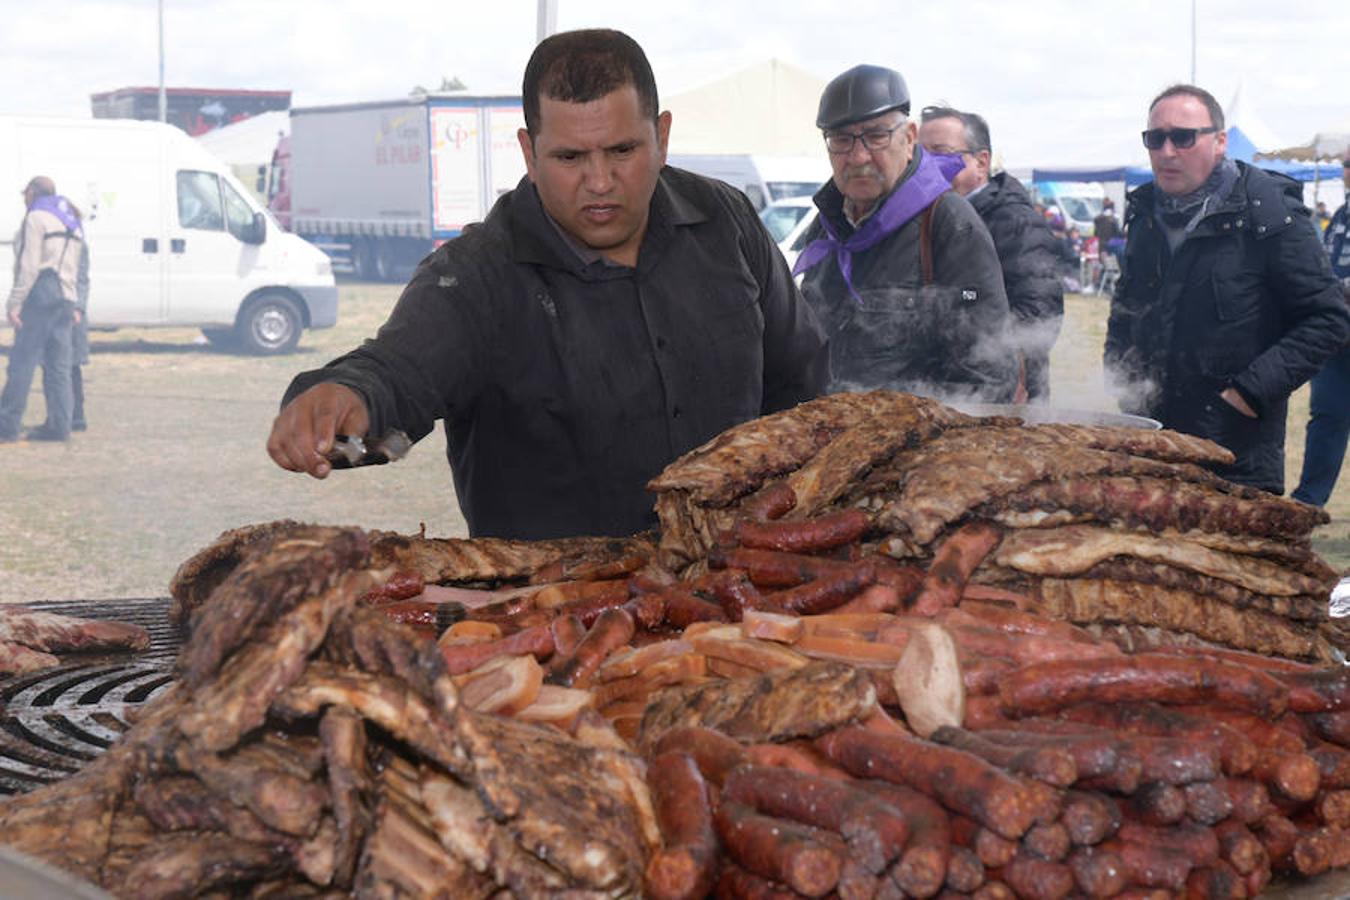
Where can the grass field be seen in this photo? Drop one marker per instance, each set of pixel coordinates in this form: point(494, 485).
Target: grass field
point(174, 455)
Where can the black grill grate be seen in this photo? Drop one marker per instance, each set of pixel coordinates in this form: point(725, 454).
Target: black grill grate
point(57, 720)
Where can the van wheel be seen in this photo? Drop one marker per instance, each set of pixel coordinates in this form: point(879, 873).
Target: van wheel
point(221, 338)
point(270, 325)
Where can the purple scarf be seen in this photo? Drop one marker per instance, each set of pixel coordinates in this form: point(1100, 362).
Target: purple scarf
point(931, 179)
point(60, 207)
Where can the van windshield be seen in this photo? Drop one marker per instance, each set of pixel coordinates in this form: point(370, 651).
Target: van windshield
point(778, 190)
point(781, 219)
point(1080, 209)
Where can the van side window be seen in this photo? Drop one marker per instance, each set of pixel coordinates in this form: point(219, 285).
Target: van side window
point(238, 214)
point(199, 200)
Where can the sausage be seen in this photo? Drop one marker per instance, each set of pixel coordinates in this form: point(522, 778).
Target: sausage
point(1331, 726)
point(822, 532)
point(772, 501)
point(577, 594)
point(1319, 690)
point(1333, 808)
point(953, 562)
point(1250, 800)
point(1038, 879)
point(1240, 848)
point(1237, 752)
point(683, 609)
point(965, 872)
point(1047, 841)
point(1050, 764)
point(1175, 760)
point(737, 594)
point(982, 674)
point(1044, 687)
point(1207, 802)
point(1156, 803)
point(536, 640)
point(992, 849)
point(874, 831)
point(1198, 842)
point(876, 598)
point(981, 640)
point(1089, 817)
point(921, 870)
point(771, 568)
point(825, 592)
point(713, 752)
point(960, 781)
point(1216, 881)
point(1292, 775)
point(1278, 835)
point(1333, 762)
point(795, 855)
point(685, 865)
point(1149, 866)
point(735, 883)
point(612, 630)
point(404, 584)
point(1015, 620)
point(1102, 759)
point(799, 756)
point(1324, 848)
point(1097, 872)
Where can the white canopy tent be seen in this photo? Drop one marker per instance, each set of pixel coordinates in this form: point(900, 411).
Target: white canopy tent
point(768, 109)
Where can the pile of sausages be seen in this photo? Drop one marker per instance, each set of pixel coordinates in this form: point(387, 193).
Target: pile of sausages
point(1132, 799)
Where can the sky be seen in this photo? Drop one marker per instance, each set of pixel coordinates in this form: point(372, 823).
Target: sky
point(1060, 81)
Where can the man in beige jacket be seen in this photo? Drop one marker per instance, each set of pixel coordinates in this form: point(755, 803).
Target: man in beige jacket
point(42, 309)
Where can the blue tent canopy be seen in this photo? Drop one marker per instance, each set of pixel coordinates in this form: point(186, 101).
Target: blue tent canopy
point(1240, 147)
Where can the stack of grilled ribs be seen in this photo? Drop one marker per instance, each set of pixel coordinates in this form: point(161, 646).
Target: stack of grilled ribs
point(1097, 524)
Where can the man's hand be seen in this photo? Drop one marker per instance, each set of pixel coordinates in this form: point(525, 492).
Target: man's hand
point(76, 316)
point(1234, 399)
point(14, 319)
point(303, 431)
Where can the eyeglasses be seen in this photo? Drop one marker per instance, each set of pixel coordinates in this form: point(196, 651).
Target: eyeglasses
point(1181, 138)
point(841, 142)
point(948, 151)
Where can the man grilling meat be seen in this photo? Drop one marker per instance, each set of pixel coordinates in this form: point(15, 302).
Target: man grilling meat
point(607, 316)
point(1226, 302)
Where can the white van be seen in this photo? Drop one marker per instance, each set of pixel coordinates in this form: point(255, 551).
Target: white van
point(174, 238)
point(763, 179)
point(1080, 202)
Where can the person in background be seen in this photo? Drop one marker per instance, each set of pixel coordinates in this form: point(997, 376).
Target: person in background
point(1329, 404)
point(1226, 302)
point(1106, 227)
point(42, 308)
point(608, 315)
point(1322, 217)
point(899, 268)
point(1026, 248)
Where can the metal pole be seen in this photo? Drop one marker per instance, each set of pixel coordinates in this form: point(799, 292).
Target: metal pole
point(163, 96)
point(547, 19)
point(1193, 41)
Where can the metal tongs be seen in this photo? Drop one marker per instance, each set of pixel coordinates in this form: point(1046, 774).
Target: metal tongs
point(350, 451)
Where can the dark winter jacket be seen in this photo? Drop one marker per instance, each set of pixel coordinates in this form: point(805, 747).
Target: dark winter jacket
point(566, 385)
point(947, 339)
point(1027, 252)
point(1248, 301)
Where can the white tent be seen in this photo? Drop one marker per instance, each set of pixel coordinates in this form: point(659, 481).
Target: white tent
point(768, 109)
point(1325, 145)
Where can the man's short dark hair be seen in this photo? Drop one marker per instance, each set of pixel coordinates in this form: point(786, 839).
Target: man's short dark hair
point(41, 186)
point(1199, 93)
point(973, 124)
point(581, 66)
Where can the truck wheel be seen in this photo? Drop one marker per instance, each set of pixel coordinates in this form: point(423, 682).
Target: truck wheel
point(269, 325)
point(222, 338)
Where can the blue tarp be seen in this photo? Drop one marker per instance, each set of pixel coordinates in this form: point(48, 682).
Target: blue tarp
point(1240, 148)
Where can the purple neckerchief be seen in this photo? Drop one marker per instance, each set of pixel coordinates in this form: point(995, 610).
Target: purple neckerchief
point(931, 179)
point(60, 207)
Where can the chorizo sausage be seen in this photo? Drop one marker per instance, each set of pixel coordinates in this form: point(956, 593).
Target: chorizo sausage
point(822, 532)
point(684, 867)
point(953, 562)
point(779, 850)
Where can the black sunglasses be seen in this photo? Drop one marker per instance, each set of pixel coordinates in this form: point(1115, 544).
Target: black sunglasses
point(1181, 138)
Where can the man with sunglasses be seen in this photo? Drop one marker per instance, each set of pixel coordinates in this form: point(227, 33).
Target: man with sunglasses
point(1027, 251)
point(1226, 302)
point(901, 271)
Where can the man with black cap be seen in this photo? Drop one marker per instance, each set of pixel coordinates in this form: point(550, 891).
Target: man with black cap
point(901, 271)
